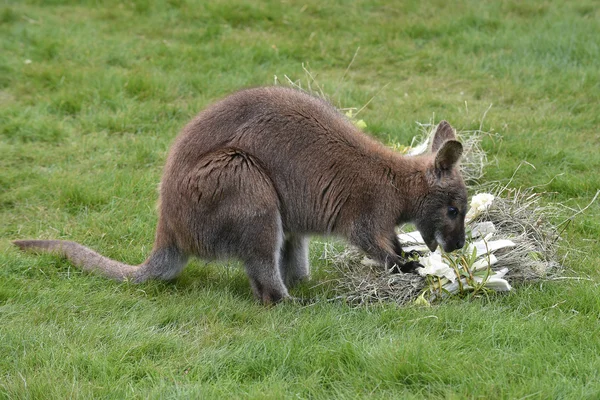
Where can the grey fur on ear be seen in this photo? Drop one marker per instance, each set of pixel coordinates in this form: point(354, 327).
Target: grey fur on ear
point(443, 133)
point(448, 155)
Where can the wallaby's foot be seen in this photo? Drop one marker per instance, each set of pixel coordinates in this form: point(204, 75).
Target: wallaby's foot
point(263, 270)
point(269, 294)
point(408, 267)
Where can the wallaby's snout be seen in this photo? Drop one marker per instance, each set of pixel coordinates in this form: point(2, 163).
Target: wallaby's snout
point(448, 242)
point(451, 235)
point(454, 245)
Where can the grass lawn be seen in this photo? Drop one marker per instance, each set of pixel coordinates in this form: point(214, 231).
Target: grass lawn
point(92, 93)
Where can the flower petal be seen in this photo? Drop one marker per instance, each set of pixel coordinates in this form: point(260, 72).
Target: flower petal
point(419, 247)
point(498, 284)
point(484, 262)
point(500, 273)
point(454, 287)
point(482, 229)
point(484, 247)
point(479, 203)
point(433, 265)
point(496, 281)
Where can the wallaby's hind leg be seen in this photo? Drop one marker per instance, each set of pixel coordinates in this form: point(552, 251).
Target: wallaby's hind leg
point(226, 206)
point(260, 248)
point(294, 260)
point(262, 262)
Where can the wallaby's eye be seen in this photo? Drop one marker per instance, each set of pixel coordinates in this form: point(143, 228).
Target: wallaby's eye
point(452, 211)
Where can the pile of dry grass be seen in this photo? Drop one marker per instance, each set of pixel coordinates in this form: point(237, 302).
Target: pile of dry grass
point(358, 281)
point(520, 215)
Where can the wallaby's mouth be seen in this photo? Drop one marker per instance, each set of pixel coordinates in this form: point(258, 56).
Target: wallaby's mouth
point(448, 246)
point(432, 244)
point(439, 240)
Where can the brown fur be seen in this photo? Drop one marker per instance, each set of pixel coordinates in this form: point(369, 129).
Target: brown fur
point(253, 175)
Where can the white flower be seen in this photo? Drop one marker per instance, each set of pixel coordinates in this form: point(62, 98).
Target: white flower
point(414, 240)
point(433, 265)
point(496, 281)
point(454, 287)
point(482, 201)
point(485, 247)
point(479, 203)
point(28, 61)
point(498, 284)
point(484, 262)
point(482, 229)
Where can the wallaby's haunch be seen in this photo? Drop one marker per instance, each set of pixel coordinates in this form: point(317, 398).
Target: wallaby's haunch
point(252, 176)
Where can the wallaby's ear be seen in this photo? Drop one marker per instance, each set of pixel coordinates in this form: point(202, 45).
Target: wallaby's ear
point(443, 133)
point(448, 155)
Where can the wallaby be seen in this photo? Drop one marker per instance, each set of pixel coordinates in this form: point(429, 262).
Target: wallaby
point(253, 175)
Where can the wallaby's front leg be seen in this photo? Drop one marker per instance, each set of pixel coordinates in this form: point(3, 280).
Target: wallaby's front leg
point(386, 249)
point(409, 265)
point(294, 260)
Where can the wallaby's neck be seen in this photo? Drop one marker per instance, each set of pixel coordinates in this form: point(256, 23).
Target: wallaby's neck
point(410, 184)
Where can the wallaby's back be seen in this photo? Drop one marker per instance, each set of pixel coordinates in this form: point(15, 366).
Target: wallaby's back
point(316, 158)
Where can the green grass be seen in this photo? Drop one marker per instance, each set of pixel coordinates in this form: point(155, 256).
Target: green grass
point(84, 130)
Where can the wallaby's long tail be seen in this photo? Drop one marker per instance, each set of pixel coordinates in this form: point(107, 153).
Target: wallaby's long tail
point(164, 263)
point(81, 256)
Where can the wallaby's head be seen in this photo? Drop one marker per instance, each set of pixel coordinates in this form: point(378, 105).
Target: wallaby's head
point(441, 215)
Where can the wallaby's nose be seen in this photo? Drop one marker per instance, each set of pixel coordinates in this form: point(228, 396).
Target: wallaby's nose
point(460, 244)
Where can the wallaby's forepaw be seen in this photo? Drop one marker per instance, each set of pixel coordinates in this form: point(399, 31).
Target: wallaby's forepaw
point(408, 267)
point(411, 266)
point(413, 254)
